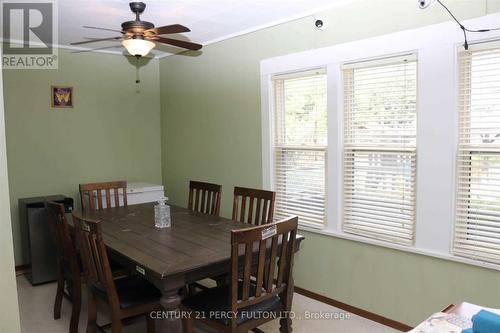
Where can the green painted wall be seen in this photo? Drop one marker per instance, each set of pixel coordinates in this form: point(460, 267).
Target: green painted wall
point(211, 130)
point(9, 311)
point(113, 132)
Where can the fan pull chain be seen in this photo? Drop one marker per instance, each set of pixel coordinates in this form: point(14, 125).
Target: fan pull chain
point(137, 76)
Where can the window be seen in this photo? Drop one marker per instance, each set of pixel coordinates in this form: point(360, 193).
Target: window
point(477, 225)
point(300, 144)
point(380, 123)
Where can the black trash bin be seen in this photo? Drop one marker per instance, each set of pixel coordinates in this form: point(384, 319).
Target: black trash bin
point(38, 245)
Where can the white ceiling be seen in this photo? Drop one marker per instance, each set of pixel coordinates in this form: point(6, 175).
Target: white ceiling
point(209, 20)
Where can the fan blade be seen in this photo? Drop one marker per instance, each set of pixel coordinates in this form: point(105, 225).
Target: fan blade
point(169, 29)
point(106, 29)
point(178, 43)
point(96, 40)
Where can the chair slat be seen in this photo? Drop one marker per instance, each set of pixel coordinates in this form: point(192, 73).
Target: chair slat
point(272, 264)
point(264, 212)
point(108, 198)
point(91, 200)
point(257, 212)
point(93, 192)
point(99, 199)
point(250, 210)
point(197, 201)
point(260, 267)
point(204, 197)
point(243, 208)
point(263, 197)
point(282, 261)
point(203, 200)
point(213, 201)
point(248, 270)
point(117, 197)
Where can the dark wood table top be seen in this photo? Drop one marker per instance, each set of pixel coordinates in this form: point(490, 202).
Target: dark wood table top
point(195, 241)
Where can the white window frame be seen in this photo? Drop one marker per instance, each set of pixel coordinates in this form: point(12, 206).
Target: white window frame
point(437, 131)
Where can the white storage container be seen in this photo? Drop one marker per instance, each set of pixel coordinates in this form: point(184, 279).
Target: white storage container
point(138, 193)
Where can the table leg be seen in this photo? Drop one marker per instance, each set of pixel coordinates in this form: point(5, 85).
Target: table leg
point(170, 300)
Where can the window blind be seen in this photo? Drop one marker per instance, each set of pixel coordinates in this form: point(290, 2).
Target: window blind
point(477, 225)
point(300, 145)
point(380, 123)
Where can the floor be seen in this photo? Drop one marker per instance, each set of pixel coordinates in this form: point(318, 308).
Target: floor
point(36, 306)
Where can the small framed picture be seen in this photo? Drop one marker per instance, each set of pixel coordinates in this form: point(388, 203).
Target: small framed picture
point(62, 97)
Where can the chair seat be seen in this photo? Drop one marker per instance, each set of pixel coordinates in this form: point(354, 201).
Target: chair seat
point(214, 303)
point(132, 291)
point(117, 269)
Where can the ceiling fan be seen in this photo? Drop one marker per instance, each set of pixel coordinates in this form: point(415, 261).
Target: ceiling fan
point(139, 37)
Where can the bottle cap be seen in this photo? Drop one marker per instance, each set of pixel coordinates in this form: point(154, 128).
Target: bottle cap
point(163, 200)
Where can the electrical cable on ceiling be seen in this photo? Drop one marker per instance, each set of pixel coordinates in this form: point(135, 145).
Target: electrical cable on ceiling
point(464, 29)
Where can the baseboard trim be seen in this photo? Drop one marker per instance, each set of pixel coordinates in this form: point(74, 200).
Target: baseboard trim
point(352, 309)
point(22, 269)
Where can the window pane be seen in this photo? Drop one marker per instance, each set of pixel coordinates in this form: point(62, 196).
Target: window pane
point(300, 184)
point(484, 99)
point(380, 128)
point(302, 118)
point(382, 103)
point(300, 146)
point(380, 194)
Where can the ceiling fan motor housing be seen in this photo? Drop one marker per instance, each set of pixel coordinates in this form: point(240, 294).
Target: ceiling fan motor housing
point(137, 26)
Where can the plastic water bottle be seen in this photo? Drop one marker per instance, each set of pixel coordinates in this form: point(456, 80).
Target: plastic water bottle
point(162, 214)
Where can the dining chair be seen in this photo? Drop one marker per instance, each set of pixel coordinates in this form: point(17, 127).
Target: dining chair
point(68, 266)
point(261, 287)
point(127, 297)
point(260, 213)
point(210, 194)
point(92, 197)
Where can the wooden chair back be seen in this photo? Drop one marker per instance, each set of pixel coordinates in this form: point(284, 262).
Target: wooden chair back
point(262, 212)
point(94, 256)
point(92, 194)
point(204, 197)
point(271, 241)
point(58, 226)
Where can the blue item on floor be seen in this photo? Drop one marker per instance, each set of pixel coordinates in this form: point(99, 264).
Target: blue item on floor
point(468, 330)
point(485, 322)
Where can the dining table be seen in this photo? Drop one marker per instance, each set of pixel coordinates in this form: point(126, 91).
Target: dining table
point(196, 246)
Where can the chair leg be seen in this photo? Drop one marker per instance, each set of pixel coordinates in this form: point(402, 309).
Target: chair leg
point(116, 324)
point(77, 304)
point(59, 294)
point(287, 296)
point(151, 323)
point(286, 325)
point(187, 325)
point(92, 313)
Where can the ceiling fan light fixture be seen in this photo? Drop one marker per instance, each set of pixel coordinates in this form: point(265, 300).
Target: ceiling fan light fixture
point(138, 47)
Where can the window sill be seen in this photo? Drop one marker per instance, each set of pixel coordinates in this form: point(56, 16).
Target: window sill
point(404, 248)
